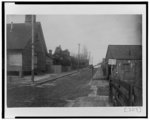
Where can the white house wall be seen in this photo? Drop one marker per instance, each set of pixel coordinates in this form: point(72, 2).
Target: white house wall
point(15, 59)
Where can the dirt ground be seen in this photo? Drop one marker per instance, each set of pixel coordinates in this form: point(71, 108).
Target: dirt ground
point(51, 94)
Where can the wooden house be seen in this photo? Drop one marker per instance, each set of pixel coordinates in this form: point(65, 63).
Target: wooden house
point(124, 62)
point(124, 70)
point(19, 47)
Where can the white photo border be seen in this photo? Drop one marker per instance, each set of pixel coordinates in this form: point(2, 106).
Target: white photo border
point(76, 9)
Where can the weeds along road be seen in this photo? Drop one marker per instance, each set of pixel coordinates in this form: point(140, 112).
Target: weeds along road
point(51, 94)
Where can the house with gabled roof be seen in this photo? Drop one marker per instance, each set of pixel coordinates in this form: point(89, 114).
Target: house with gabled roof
point(124, 52)
point(19, 47)
point(124, 62)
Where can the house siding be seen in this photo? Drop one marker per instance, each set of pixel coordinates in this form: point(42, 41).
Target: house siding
point(14, 62)
point(40, 54)
point(14, 59)
point(127, 69)
point(27, 58)
point(127, 57)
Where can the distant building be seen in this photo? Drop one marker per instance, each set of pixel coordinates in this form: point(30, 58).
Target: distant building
point(58, 50)
point(19, 47)
point(66, 53)
point(124, 62)
point(49, 62)
point(62, 60)
point(103, 64)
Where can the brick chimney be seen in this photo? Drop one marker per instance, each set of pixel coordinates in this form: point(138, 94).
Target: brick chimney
point(28, 18)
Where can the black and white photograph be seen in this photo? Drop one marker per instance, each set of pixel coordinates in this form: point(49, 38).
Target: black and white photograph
point(73, 59)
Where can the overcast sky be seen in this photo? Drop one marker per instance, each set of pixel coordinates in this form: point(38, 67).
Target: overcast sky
point(95, 32)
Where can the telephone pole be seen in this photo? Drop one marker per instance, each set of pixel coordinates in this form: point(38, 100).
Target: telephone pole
point(78, 56)
point(92, 68)
point(32, 66)
point(89, 57)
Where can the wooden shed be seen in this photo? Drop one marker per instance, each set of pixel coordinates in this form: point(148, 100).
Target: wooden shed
point(124, 61)
point(124, 66)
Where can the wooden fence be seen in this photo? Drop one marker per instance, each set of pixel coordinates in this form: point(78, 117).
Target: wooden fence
point(122, 93)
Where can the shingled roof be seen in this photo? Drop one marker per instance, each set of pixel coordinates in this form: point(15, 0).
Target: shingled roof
point(130, 52)
point(20, 33)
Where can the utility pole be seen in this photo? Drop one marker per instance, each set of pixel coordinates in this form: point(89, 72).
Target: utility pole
point(92, 60)
point(32, 66)
point(92, 68)
point(78, 56)
point(89, 57)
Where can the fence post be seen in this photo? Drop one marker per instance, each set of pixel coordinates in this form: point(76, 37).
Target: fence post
point(130, 95)
point(92, 71)
point(110, 90)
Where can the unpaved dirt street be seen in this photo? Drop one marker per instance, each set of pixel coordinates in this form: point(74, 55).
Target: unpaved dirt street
point(51, 94)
